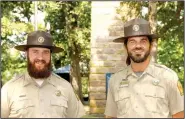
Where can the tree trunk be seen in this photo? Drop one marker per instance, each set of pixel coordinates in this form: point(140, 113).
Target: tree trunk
point(153, 23)
point(75, 73)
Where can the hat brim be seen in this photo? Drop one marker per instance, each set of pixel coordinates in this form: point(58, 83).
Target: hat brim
point(54, 49)
point(121, 39)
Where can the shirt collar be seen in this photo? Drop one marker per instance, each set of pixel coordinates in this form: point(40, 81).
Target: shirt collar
point(149, 70)
point(29, 80)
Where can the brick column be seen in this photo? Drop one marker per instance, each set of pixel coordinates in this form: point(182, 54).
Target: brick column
point(106, 56)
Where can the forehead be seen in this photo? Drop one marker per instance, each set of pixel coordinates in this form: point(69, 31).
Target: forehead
point(138, 38)
point(39, 49)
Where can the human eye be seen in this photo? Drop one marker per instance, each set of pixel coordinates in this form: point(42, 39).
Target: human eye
point(46, 52)
point(131, 41)
point(35, 51)
point(143, 41)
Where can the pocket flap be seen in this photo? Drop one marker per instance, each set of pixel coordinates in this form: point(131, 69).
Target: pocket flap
point(122, 94)
point(60, 103)
point(157, 92)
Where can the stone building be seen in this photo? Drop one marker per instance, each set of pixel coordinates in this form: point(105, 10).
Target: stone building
point(106, 56)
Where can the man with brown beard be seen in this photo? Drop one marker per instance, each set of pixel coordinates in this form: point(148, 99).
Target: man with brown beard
point(143, 89)
point(39, 93)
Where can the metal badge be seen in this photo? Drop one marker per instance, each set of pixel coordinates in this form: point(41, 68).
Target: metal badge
point(41, 39)
point(135, 27)
point(58, 93)
point(155, 82)
point(124, 83)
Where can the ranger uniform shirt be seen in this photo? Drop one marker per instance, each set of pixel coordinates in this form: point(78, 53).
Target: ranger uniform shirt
point(22, 97)
point(156, 93)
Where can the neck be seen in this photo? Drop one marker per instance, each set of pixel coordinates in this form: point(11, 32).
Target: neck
point(140, 67)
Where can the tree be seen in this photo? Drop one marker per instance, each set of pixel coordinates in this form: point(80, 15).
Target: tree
point(170, 16)
point(70, 26)
point(15, 25)
point(152, 19)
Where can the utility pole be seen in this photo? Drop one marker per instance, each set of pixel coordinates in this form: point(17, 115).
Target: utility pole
point(35, 16)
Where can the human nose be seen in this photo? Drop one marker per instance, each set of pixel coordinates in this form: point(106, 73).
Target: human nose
point(138, 44)
point(40, 56)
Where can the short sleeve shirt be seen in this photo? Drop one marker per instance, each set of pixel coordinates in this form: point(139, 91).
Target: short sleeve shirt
point(156, 93)
point(24, 98)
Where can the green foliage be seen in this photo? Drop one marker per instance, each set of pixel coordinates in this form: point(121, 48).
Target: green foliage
point(85, 85)
point(170, 16)
point(70, 27)
point(15, 25)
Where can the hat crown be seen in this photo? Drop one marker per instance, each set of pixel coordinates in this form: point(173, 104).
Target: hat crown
point(137, 27)
point(40, 38)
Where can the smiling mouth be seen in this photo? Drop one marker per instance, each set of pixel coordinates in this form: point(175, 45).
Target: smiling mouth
point(138, 51)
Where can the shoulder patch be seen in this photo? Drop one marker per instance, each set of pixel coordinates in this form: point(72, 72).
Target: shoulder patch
point(179, 85)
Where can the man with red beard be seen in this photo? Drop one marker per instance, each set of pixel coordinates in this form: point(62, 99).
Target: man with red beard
point(143, 89)
point(39, 93)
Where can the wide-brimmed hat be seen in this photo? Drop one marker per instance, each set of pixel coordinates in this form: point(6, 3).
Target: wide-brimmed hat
point(136, 27)
point(39, 39)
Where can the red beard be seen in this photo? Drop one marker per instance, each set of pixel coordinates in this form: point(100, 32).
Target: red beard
point(36, 72)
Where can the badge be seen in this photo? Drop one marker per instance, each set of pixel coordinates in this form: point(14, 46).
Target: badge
point(41, 39)
point(155, 82)
point(124, 83)
point(135, 27)
point(179, 85)
point(58, 93)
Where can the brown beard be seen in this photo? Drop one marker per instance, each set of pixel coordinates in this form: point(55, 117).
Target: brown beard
point(38, 73)
point(139, 60)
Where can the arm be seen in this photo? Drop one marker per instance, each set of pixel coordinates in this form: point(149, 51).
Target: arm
point(176, 97)
point(5, 111)
point(111, 106)
point(75, 106)
point(178, 115)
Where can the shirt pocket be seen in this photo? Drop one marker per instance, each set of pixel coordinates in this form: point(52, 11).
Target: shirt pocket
point(23, 108)
point(122, 99)
point(155, 99)
point(59, 107)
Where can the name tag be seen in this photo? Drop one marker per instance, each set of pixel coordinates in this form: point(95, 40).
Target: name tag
point(124, 83)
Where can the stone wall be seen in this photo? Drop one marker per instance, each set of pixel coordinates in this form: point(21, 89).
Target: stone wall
point(106, 56)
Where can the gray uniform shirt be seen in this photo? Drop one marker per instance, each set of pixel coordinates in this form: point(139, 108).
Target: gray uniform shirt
point(153, 94)
point(22, 97)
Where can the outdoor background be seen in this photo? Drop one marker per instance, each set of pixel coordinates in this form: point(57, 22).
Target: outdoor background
point(70, 25)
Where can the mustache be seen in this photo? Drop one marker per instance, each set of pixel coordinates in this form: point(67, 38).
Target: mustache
point(138, 49)
point(42, 61)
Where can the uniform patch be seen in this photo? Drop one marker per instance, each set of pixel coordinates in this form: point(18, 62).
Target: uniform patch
point(179, 85)
point(124, 83)
point(58, 93)
point(41, 39)
point(155, 82)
